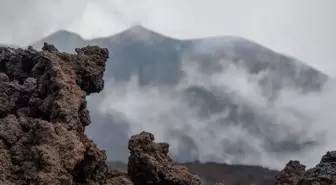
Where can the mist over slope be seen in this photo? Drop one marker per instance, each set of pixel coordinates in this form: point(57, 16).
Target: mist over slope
point(223, 99)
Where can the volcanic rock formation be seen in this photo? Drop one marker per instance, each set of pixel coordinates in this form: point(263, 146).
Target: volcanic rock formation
point(149, 163)
point(43, 116)
point(323, 173)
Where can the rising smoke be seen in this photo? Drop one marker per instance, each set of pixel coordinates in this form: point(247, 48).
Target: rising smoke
point(167, 112)
point(307, 118)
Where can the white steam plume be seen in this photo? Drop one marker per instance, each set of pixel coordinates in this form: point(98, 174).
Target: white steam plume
point(166, 113)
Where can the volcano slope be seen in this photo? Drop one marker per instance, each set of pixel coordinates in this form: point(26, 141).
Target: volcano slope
point(202, 76)
point(43, 116)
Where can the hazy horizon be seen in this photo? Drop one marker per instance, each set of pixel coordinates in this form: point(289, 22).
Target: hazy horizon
point(303, 29)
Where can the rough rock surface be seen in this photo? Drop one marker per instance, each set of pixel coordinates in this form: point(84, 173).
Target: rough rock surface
point(323, 173)
point(149, 163)
point(43, 117)
point(228, 174)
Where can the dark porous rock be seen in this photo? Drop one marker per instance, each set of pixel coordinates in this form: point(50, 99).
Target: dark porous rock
point(323, 173)
point(291, 174)
point(42, 140)
point(43, 116)
point(150, 164)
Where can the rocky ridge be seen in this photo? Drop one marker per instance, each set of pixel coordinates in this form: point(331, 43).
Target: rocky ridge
point(323, 173)
point(43, 116)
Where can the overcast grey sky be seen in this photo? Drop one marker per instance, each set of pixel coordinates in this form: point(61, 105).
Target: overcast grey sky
point(304, 29)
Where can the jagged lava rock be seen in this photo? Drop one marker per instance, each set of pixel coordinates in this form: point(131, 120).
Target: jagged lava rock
point(149, 163)
point(43, 115)
point(291, 174)
point(323, 173)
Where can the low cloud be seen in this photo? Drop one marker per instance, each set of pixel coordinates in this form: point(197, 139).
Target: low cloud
point(293, 117)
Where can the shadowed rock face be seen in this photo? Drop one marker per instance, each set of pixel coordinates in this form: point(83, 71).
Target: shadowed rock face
point(149, 163)
point(291, 174)
point(43, 116)
point(323, 173)
point(212, 173)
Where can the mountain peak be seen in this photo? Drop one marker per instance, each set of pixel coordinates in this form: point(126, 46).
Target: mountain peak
point(139, 32)
point(139, 28)
point(143, 31)
point(65, 33)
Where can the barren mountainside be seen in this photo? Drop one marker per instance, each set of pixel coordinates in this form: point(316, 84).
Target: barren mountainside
point(166, 64)
point(158, 58)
